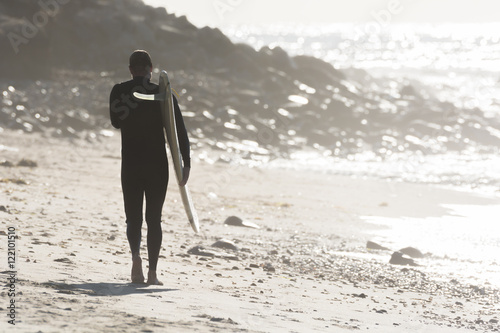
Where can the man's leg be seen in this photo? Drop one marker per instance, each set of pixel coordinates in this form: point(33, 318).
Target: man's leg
point(133, 193)
point(156, 189)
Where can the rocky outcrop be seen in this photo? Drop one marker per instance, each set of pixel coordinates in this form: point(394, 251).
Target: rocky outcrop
point(59, 59)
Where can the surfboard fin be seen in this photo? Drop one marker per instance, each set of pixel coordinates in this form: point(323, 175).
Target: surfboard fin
point(150, 97)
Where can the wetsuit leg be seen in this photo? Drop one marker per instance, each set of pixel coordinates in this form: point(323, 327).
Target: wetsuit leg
point(133, 194)
point(155, 190)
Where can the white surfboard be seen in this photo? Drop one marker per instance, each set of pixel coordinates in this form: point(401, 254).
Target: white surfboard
point(168, 117)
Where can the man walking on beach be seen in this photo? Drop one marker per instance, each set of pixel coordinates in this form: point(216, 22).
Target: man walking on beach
point(144, 169)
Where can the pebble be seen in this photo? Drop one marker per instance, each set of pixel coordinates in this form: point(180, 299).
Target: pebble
point(6, 164)
point(269, 267)
point(27, 163)
point(64, 260)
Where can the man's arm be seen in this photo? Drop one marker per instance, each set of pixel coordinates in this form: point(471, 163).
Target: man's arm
point(116, 108)
point(183, 142)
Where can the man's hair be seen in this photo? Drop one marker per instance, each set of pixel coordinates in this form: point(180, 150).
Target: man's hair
point(140, 60)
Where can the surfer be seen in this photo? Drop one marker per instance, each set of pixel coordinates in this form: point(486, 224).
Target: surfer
point(144, 168)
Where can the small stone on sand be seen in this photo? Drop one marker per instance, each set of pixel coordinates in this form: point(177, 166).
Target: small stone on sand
point(27, 163)
point(64, 260)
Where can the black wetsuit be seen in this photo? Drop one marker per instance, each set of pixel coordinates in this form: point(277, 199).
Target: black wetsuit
point(144, 160)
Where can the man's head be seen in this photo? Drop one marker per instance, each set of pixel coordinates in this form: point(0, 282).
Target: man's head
point(140, 63)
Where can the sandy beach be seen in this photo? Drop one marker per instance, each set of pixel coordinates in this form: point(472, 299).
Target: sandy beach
point(287, 245)
point(306, 269)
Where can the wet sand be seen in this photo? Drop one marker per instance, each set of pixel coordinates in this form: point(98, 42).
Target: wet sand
point(306, 269)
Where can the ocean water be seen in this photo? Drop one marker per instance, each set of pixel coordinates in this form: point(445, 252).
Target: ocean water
point(464, 244)
point(461, 62)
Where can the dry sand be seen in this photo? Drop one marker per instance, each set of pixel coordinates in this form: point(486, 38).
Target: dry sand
point(305, 270)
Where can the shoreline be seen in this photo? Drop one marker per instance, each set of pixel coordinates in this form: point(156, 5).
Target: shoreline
point(295, 273)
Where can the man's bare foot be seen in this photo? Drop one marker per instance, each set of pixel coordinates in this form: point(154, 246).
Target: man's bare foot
point(152, 279)
point(137, 275)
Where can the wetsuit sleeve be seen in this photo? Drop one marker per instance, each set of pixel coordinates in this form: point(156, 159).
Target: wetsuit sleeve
point(182, 135)
point(116, 109)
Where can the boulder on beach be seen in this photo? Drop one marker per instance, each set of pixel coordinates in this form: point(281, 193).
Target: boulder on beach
point(225, 244)
point(238, 222)
point(374, 246)
point(399, 258)
point(201, 251)
point(412, 252)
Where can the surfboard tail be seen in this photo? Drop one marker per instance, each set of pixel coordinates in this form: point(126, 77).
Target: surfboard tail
point(194, 225)
point(189, 208)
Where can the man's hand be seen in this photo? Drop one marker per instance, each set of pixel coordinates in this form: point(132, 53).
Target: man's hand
point(185, 172)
